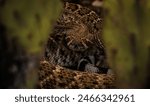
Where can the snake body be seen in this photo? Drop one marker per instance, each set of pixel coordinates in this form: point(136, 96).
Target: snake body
point(76, 52)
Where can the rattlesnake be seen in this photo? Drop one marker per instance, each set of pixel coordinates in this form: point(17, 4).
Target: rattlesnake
point(55, 76)
point(75, 44)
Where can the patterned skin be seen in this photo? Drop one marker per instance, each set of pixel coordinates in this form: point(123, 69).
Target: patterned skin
point(56, 77)
point(76, 40)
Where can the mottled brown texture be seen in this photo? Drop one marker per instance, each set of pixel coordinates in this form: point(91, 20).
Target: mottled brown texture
point(75, 52)
point(56, 77)
point(76, 40)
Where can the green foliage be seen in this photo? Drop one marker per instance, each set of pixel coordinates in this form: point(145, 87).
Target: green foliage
point(24, 28)
point(29, 21)
point(127, 40)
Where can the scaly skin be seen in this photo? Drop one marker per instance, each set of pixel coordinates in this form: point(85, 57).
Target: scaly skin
point(56, 77)
point(75, 46)
point(76, 41)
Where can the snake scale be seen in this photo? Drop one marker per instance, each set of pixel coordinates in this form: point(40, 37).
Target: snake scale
point(75, 55)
